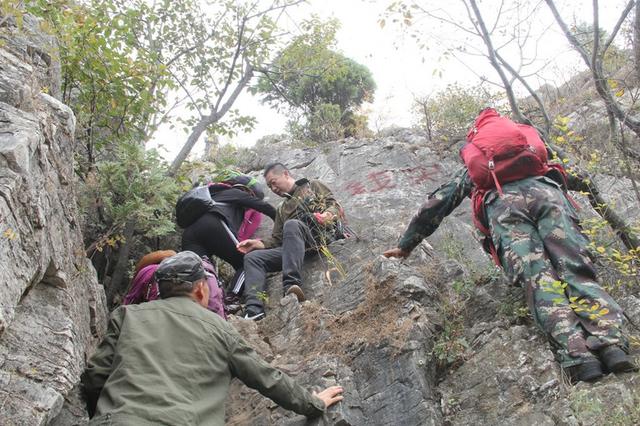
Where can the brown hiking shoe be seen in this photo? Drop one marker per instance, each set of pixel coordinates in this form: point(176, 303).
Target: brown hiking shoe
point(296, 291)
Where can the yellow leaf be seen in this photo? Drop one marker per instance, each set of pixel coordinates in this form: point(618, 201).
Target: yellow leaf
point(600, 249)
point(619, 93)
point(604, 311)
point(10, 234)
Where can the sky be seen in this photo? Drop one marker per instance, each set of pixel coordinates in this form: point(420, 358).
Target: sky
point(400, 68)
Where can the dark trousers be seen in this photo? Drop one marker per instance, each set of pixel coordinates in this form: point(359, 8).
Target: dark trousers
point(208, 237)
point(288, 258)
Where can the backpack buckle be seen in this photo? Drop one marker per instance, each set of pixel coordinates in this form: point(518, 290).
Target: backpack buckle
point(492, 165)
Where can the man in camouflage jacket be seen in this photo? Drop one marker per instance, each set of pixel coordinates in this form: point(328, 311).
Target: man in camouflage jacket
point(307, 220)
point(540, 246)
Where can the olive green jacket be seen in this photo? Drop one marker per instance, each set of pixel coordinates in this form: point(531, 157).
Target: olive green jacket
point(306, 198)
point(171, 361)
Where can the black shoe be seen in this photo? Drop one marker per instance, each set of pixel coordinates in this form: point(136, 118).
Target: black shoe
point(588, 371)
point(296, 291)
point(616, 360)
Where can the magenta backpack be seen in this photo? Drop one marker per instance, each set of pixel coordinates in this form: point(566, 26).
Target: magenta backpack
point(145, 289)
point(250, 224)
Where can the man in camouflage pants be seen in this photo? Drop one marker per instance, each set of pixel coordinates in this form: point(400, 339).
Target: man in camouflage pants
point(540, 247)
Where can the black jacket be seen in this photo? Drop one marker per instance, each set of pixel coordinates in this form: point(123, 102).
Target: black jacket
point(234, 202)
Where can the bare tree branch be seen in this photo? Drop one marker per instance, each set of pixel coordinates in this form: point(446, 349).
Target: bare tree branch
point(206, 121)
point(496, 65)
point(600, 81)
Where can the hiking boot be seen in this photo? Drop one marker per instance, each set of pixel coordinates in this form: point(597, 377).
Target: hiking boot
point(296, 291)
point(616, 360)
point(254, 316)
point(589, 370)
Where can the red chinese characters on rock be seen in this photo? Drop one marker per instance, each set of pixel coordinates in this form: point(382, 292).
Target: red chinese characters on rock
point(355, 188)
point(386, 179)
point(381, 180)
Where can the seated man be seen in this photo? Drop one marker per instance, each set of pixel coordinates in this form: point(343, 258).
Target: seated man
point(307, 220)
point(170, 361)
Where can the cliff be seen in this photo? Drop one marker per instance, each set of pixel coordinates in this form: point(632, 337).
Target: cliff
point(51, 305)
point(437, 339)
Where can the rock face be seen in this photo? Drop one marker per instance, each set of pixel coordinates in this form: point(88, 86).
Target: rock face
point(51, 305)
point(437, 339)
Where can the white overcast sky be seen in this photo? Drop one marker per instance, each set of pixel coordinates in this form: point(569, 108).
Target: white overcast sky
point(400, 69)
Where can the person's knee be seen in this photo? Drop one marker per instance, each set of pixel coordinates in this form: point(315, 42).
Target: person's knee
point(252, 259)
point(293, 225)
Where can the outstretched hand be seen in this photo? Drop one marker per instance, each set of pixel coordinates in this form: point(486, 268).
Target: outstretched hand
point(330, 395)
point(396, 252)
point(247, 246)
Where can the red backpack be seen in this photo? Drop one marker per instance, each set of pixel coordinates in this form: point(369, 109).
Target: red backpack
point(501, 151)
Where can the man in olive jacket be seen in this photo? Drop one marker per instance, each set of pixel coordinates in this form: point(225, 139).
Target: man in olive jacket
point(307, 220)
point(170, 361)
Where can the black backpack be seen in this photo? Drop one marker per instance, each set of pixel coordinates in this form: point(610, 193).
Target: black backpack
point(193, 204)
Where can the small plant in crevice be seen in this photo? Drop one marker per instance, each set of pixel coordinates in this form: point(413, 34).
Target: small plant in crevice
point(451, 346)
point(263, 296)
point(514, 308)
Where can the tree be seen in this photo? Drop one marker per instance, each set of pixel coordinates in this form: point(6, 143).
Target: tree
point(595, 60)
point(506, 42)
point(210, 50)
point(138, 199)
point(123, 61)
point(445, 115)
point(616, 111)
point(112, 87)
point(312, 79)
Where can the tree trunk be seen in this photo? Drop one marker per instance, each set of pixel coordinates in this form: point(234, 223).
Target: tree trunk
point(117, 282)
point(206, 121)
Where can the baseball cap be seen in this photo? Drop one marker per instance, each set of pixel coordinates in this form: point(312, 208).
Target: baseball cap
point(183, 267)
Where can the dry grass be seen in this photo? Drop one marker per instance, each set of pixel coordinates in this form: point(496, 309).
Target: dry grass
point(374, 321)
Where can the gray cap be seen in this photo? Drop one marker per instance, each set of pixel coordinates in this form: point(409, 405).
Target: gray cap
point(183, 267)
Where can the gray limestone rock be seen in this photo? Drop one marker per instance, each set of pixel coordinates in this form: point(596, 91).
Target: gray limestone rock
point(388, 330)
point(51, 306)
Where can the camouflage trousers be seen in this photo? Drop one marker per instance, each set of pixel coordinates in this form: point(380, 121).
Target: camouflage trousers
point(541, 247)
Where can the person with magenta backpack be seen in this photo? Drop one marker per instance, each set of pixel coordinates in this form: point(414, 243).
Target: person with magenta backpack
point(144, 286)
point(531, 229)
point(218, 215)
